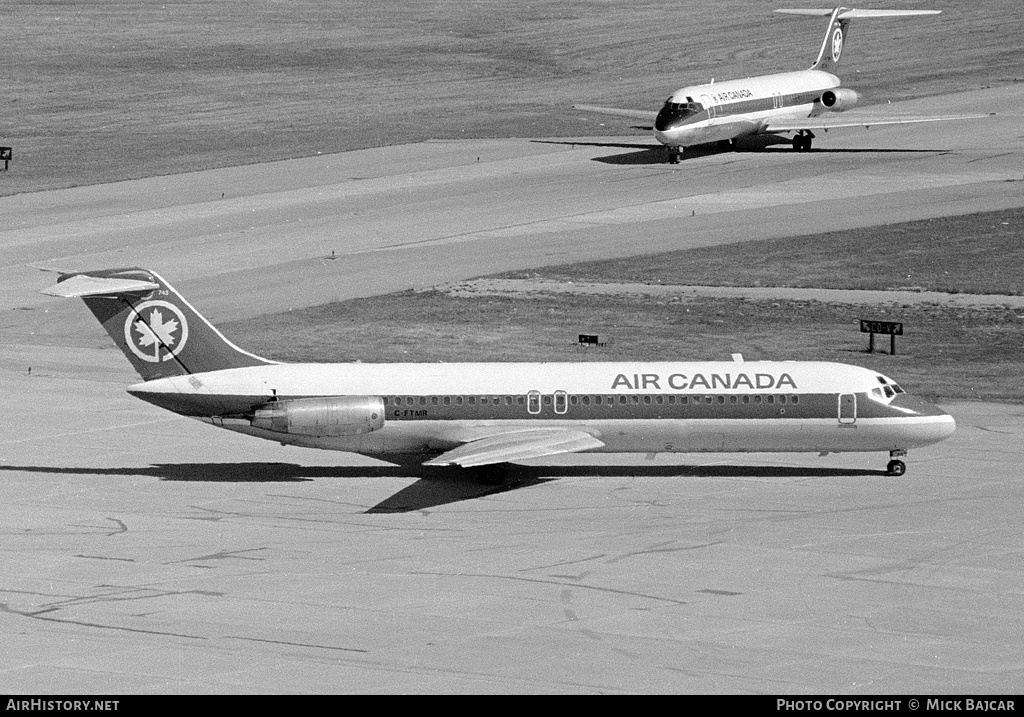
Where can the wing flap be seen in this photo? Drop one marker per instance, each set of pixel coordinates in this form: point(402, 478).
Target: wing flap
point(517, 446)
point(82, 285)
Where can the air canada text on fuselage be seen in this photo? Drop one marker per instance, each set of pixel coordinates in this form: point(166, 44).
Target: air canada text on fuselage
point(683, 382)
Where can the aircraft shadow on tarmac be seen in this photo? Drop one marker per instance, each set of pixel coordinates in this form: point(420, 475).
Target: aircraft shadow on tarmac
point(656, 154)
point(434, 485)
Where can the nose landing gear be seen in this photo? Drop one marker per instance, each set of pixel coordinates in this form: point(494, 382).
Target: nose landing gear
point(896, 467)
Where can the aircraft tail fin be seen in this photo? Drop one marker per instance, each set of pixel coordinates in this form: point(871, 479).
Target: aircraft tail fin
point(159, 332)
point(839, 29)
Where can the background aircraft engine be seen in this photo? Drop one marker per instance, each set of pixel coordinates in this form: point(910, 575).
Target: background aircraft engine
point(319, 417)
point(839, 100)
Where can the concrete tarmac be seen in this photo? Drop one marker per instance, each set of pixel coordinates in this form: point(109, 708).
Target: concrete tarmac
point(146, 553)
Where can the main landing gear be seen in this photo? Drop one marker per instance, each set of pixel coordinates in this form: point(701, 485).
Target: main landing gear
point(494, 474)
point(896, 467)
point(802, 140)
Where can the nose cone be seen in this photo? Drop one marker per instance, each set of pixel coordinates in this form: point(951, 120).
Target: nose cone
point(933, 423)
point(669, 116)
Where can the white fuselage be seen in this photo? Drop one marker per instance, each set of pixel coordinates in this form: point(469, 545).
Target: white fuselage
point(719, 111)
point(629, 407)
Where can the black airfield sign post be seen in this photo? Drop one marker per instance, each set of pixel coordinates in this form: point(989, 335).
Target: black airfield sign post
point(593, 340)
point(892, 328)
point(6, 154)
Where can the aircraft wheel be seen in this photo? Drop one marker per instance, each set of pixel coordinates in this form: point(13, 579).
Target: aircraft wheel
point(896, 468)
point(674, 153)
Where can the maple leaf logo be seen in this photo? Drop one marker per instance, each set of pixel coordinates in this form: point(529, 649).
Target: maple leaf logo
point(156, 332)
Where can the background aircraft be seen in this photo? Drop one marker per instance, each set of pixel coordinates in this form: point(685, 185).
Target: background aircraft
point(484, 415)
point(799, 102)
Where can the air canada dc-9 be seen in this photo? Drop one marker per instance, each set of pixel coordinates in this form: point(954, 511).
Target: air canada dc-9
point(484, 416)
point(796, 102)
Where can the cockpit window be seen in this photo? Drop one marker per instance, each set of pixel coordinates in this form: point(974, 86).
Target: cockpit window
point(688, 107)
point(887, 390)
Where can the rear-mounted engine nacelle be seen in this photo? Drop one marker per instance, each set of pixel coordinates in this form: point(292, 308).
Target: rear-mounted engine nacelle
point(319, 417)
point(839, 100)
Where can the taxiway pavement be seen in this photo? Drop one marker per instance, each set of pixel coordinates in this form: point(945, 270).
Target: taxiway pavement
point(147, 553)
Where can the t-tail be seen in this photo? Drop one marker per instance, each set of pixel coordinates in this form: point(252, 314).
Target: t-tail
point(160, 333)
point(838, 31)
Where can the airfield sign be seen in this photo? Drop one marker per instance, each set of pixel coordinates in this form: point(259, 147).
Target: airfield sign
point(892, 328)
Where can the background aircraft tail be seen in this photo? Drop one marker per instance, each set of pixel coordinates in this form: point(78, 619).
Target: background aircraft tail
point(839, 29)
point(832, 46)
point(160, 333)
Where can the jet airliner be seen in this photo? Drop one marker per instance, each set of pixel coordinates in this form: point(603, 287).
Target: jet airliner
point(483, 416)
point(798, 102)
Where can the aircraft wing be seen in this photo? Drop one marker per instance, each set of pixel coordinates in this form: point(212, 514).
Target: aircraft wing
point(826, 122)
point(517, 446)
point(635, 114)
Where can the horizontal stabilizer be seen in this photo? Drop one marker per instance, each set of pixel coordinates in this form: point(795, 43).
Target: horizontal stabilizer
point(852, 14)
point(82, 285)
point(636, 114)
point(159, 332)
point(517, 446)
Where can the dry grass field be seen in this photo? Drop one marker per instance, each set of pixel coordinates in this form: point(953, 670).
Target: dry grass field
point(102, 90)
point(972, 254)
point(946, 353)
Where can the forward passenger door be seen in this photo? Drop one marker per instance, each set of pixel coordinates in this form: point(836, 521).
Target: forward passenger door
point(848, 408)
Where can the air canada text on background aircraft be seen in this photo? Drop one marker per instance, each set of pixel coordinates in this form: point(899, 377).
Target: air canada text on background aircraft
point(789, 102)
point(483, 416)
